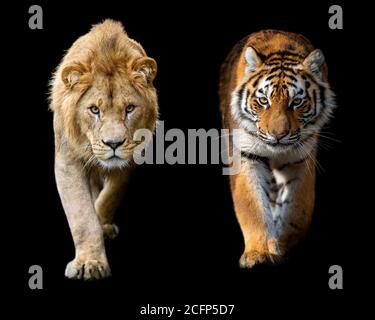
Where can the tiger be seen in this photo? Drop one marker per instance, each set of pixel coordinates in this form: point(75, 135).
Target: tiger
point(274, 100)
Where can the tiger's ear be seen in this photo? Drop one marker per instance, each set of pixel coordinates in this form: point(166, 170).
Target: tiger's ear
point(314, 62)
point(71, 74)
point(146, 68)
point(253, 61)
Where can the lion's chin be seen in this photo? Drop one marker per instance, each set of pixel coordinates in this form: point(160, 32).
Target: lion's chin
point(114, 163)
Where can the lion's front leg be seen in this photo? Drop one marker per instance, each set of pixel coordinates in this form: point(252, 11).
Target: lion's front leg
point(90, 260)
point(109, 199)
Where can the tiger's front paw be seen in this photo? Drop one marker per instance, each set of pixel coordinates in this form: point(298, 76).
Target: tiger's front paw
point(250, 258)
point(110, 231)
point(270, 252)
point(87, 269)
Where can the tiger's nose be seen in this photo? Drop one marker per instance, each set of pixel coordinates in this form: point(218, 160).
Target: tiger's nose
point(113, 143)
point(278, 136)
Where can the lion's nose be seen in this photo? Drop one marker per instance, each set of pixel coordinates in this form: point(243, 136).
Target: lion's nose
point(113, 143)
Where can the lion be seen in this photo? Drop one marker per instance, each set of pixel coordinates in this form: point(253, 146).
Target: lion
point(101, 94)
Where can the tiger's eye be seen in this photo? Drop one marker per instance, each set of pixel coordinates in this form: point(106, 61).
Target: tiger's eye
point(297, 102)
point(130, 108)
point(263, 101)
point(94, 109)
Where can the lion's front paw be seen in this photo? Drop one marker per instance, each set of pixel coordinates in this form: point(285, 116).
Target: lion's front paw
point(87, 269)
point(110, 231)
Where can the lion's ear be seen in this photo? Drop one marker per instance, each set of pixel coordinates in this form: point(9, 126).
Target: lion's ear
point(71, 74)
point(145, 67)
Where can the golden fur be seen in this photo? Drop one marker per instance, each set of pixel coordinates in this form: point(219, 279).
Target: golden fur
point(274, 92)
point(101, 93)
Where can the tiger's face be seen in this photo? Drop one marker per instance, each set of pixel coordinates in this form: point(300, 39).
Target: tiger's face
point(280, 109)
point(284, 98)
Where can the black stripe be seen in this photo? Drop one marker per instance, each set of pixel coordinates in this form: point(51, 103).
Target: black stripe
point(260, 55)
point(256, 82)
point(245, 97)
point(265, 191)
point(283, 70)
point(291, 63)
point(284, 53)
point(240, 91)
point(272, 76)
point(291, 84)
point(274, 69)
point(291, 77)
point(282, 59)
point(315, 107)
point(315, 116)
point(292, 163)
point(274, 59)
point(322, 95)
point(314, 97)
point(255, 157)
point(256, 76)
point(278, 63)
point(312, 112)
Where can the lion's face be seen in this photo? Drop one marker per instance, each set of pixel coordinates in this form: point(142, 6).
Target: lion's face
point(102, 105)
point(110, 112)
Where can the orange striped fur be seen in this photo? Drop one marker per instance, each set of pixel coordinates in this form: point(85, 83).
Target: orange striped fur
point(274, 99)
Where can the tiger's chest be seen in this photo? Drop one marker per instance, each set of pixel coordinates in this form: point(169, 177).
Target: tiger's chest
point(248, 143)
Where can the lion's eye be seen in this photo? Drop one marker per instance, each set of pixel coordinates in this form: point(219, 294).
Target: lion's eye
point(94, 109)
point(296, 102)
point(263, 101)
point(130, 108)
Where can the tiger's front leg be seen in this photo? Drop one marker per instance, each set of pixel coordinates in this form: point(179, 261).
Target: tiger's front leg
point(252, 206)
point(294, 201)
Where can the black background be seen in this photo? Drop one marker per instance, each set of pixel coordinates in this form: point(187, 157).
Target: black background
point(179, 240)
